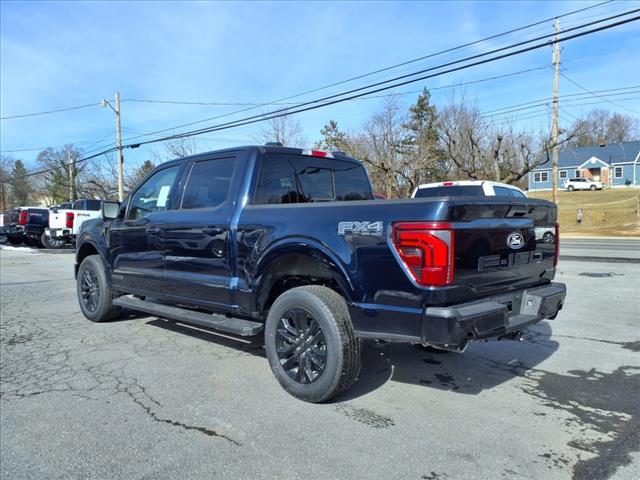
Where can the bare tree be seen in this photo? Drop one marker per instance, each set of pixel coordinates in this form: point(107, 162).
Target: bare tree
point(285, 130)
point(601, 126)
point(479, 149)
point(180, 147)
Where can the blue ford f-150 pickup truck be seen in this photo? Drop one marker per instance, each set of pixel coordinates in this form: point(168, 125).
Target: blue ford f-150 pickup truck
point(292, 243)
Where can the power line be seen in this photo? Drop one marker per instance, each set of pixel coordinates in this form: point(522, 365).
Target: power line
point(331, 100)
point(380, 70)
point(403, 63)
point(546, 101)
point(596, 95)
point(39, 149)
point(315, 104)
point(544, 106)
point(67, 109)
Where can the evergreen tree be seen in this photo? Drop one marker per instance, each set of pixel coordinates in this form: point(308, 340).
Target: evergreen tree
point(21, 188)
point(421, 141)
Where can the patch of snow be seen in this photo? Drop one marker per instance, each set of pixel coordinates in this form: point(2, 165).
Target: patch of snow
point(11, 248)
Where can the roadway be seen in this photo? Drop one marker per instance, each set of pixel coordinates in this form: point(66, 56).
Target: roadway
point(602, 247)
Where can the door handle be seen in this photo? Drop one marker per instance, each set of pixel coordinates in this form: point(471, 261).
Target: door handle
point(152, 231)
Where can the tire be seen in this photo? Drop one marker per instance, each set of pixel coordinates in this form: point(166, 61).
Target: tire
point(47, 242)
point(94, 293)
point(322, 314)
point(571, 188)
point(592, 188)
point(15, 241)
point(3, 238)
point(548, 237)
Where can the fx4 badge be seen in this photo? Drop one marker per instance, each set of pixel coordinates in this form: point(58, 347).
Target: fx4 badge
point(360, 228)
point(515, 240)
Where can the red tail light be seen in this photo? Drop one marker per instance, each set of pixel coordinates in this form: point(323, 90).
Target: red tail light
point(70, 216)
point(426, 250)
point(22, 218)
point(557, 245)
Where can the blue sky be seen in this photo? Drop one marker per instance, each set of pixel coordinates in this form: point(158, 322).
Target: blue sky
point(61, 54)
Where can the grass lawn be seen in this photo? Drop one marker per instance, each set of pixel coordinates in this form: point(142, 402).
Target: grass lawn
point(610, 212)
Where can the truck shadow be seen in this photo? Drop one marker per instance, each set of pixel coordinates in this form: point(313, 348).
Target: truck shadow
point(484, 365)
point(250, 345)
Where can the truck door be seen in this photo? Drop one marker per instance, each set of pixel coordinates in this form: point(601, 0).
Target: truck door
point(136, 249)
point(197, 239)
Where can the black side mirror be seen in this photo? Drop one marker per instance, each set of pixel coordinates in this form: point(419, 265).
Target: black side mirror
point(110, 210)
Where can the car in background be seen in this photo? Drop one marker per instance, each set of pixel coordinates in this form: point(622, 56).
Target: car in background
point(65, 221)
point(33, 221)
point(583, 184)
point(467, 188)
point(481, 188)
point(9, 230)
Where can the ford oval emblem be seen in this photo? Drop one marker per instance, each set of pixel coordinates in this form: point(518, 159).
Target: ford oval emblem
point(515, 240)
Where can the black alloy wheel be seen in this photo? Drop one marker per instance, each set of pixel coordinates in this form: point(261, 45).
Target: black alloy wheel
point(301, 346)
point(90, 290)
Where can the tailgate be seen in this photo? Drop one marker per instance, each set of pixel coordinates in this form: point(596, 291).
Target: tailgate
point(503, 244)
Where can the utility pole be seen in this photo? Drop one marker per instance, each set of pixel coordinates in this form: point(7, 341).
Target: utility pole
point(120, 156)
point(71, 165)
point(554, 131)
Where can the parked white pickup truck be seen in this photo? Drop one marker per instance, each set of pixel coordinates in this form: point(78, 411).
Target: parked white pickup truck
point(64, 223)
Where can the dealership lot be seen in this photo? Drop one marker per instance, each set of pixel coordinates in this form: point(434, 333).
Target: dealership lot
point(144, 398)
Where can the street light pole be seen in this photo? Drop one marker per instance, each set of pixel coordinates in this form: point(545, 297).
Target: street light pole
point(116, 110)
point(120, 156)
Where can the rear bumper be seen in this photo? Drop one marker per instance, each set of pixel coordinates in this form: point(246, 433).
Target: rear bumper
point(455, 325)
point(58, 233)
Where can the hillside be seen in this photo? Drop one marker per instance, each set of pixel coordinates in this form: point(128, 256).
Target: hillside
point(610, 212)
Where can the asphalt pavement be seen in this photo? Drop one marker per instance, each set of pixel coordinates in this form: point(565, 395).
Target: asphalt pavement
point(142, 398)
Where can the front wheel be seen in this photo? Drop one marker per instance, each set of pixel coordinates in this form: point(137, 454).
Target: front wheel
point(592, 188)
point(94, 293)
point(310, 343)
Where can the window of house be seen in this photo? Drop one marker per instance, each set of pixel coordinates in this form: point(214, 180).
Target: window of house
point(539, 177)
point(154, 194)
point(617, 172)
point(563, 174)
point(208, 183)
point(576, 173)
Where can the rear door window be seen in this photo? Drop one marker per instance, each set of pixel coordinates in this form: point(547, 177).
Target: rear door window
point(208, 183)
point(301, 179)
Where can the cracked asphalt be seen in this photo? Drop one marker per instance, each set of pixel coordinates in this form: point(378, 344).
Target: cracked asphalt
point(144, 398)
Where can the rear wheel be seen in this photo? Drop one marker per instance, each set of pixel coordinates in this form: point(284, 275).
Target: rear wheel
point(3, 238)
point(571, 188)
point(94, 293)
point(48, 242)
point(310, 343)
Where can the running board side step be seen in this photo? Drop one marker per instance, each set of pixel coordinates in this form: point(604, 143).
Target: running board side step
point(236, 326)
